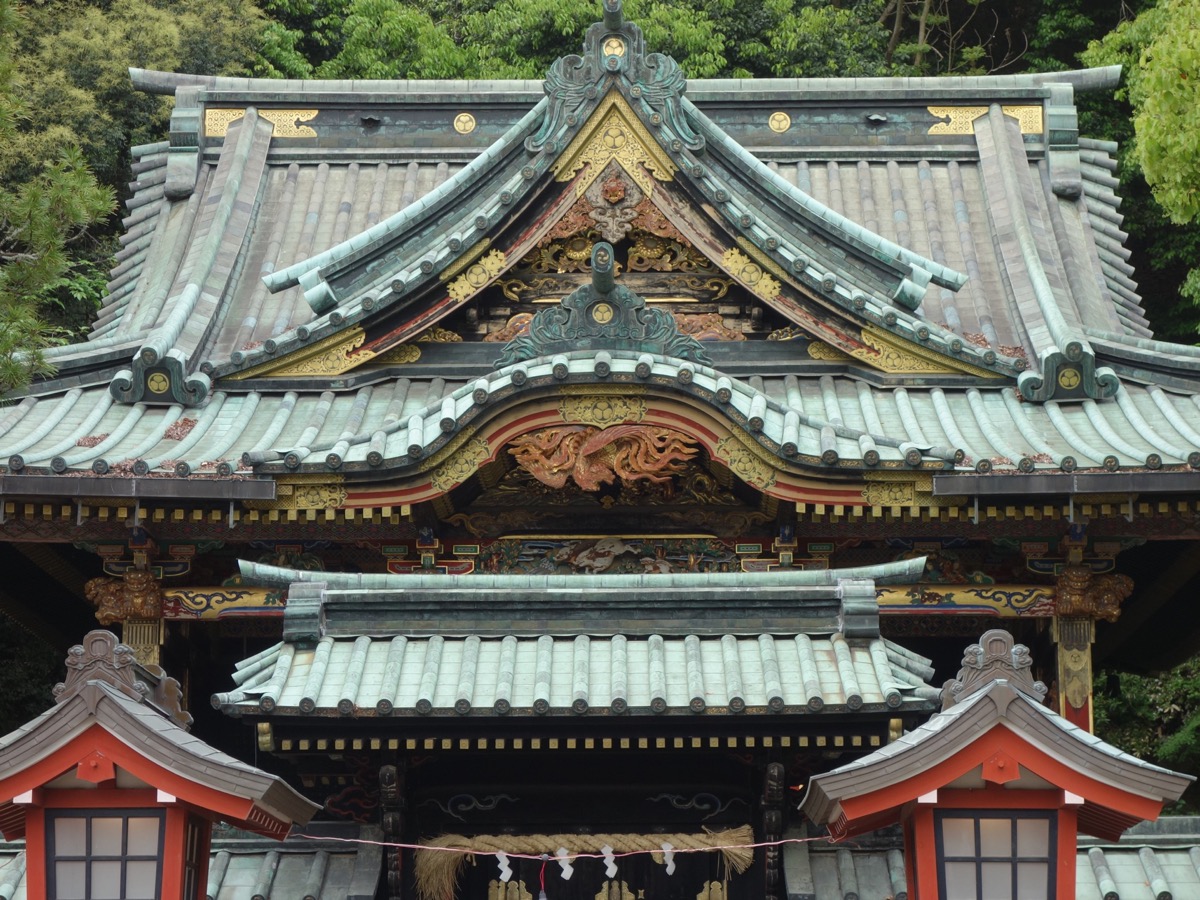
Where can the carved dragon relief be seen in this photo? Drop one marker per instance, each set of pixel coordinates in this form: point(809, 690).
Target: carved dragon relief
point(592, 456)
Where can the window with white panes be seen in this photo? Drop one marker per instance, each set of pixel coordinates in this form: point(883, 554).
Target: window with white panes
point(112, 854)
point(995, 854)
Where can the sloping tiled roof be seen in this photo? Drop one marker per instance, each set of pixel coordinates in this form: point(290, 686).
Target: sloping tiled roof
point(545, 676)
point(937, 201)
point(1152, 860)
point(949, 731)
point(258, 234)
point(109, 700)
point(405, 645)
point(813, 421)
point(249, 868)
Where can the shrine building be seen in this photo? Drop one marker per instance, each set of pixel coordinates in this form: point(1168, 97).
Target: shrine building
point(583, 488)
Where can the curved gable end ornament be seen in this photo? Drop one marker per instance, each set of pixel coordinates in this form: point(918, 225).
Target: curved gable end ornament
point(996, 656)
point(602, 315)
point(614, 48)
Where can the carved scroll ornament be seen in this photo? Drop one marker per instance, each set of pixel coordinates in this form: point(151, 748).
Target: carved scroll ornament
point(996, 656)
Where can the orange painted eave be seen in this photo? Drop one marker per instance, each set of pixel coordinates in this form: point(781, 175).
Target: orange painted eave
point(873, 806)
point(97, 738)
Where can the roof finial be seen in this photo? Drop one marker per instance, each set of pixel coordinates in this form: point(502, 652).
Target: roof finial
point(614, 16)
point(602, 268)
point(996, 656)
point(602, 315)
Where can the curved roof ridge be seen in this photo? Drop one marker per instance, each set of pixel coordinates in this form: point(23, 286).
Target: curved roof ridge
point(362, 244)
point(155, 81)
point(187, 316)
point(880, 248)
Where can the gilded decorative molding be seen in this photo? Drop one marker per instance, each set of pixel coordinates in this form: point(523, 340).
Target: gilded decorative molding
point(599, 315)
point(329, 356)
point(890, 493)
point(761, 257)
point(896, 356)
point(745, 463)
point(962, 118)
point(779, 122)
point(286, 121)
point(399, 355)
point(477, 276)
point(146, 637)
point(437, 335)
point(821, 350)
point(210, 603)
point(1080, 593)
point(464, 259)
point(787, 333)
point(446, 452)
point(305, 492)
point(616, 134)
point(1075, 636)
point(602, 409)
point(1005, 600)
point(518, 324)
point(319, 496)
point(135, 595)
point(899, 357)
point(749, 274)
point(706, 327)
point(464, 123)
point(461, 465)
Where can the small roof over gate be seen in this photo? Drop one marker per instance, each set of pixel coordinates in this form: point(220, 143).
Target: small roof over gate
point(994, 728)
point(717, 643)
point(104, 725)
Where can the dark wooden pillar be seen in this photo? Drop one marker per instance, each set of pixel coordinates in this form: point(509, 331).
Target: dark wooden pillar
point(772, 830)
point(391, 807)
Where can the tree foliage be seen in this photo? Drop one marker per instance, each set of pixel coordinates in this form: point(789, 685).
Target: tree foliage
point(1167, 99)
point(1159, 137)
point(46, 203)
point(68, 115)
point(1156, 718)
point(30, 669)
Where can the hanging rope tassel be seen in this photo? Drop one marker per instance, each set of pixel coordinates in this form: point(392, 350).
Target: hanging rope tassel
point(438, 868)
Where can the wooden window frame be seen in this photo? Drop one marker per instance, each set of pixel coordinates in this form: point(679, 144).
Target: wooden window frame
point(1050, 859)
point(88, 814)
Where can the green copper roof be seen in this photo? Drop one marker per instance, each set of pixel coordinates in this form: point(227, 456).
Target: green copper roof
point(819, 422)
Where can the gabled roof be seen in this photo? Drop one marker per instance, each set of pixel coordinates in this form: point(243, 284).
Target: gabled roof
point(100, 711)
point(927, 238)
point(965, 204)
point(403, 427)
point(994, 719)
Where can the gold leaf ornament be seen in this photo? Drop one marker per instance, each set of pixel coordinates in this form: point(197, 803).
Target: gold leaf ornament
point(461, 466)
point(602, 411)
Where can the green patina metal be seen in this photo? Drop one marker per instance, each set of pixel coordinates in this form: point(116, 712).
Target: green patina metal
point(602, 315)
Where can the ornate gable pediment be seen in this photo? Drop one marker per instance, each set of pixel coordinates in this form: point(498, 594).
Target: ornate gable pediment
point(614, 145)
point(602, 315)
